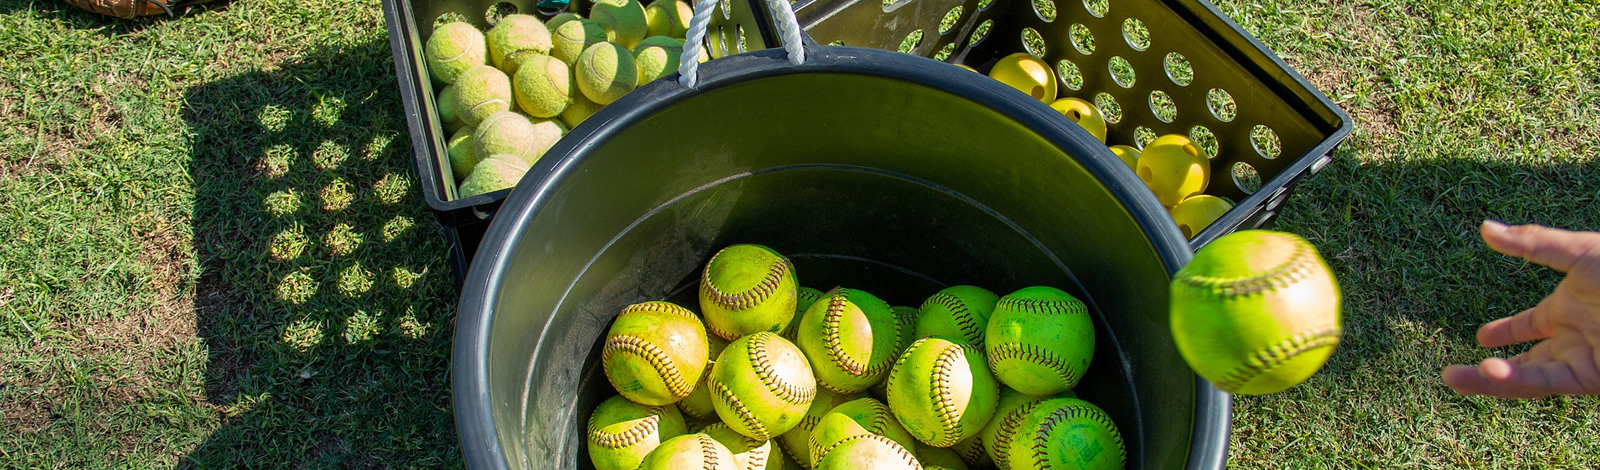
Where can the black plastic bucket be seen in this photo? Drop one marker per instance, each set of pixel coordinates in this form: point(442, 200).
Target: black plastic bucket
point(874, 170)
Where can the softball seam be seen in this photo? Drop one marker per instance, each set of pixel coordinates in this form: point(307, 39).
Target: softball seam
point(970, 454)
point(1034, 354)
point(790, 393)
point(959, 312)
point(1300, 265)
point(943, 406)
point(1274, 355)
point(657, 358)
point(1041, 437)
point(833, 342)
point(901, 450)
point(631, 436)
point(1067, 306)
point(749, 298)
point(1002, 435)
point(708, 451)
point(731, 401)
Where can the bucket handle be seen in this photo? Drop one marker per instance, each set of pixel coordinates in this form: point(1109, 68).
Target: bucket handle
point(788, 32)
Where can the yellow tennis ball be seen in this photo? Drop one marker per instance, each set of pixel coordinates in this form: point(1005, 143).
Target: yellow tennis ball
point(668, 18)
point(561, 19)
point(1255, 311)
point(452, 49)
point(514, 35)
point(543, 86)
point(606, 72)
point(482, 91)
point(573, 37)
point(623, 21)
point(621, 433)
point(578, 110)
point(1198, 212)
point(1027, 74)
point(449, 109)
point(1174, 168)
point(1129, 156)
point(1085, 114)
point(462, 154)
point(656, 57)
point(512, 133)
point(493, 174)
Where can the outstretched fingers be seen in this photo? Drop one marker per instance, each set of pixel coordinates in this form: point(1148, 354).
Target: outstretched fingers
point(1529, 325)
point(1556, 248)
point(1502, 378)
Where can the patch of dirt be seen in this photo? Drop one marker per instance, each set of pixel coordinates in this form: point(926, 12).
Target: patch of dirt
point(26, 411)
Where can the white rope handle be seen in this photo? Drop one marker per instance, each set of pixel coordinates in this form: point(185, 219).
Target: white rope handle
point(693, 45)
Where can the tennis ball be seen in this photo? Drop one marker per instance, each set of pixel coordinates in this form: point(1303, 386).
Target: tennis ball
point(1198, 212)
point(578, 110)
point(482, 91)
point(867, 451)
point(543, 86)
point(453, 49)
point(698, 404)
point(761, 385)
point(621, 433)
point(462, 155)
point(938, 458)
point(623, 21)
point(655, 352)
point(1085, 114)
point(1255, 312)
point(561, 19)
point(957, 313)
point(656, 57)
point(797, 441)
point(1027, 74)
point(1129, 156)
point(606, 72)
point(747, 289)
point(698, 451)
point(573, 37)
point(512, 133)
point(851, 338)
point(748, 454)
point(493, 174)
point(1039, 340)
point(514, 35)
point(668, 18)
point(449, 109)
point(942, 391)
point(1075, 433)
point(861, 416)
point(804, 297)
point(1174, 168)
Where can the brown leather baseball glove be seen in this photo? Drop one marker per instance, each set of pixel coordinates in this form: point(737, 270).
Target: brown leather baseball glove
point(131, 8)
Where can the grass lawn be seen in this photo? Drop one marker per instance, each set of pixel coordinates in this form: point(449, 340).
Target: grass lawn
point(215, 255)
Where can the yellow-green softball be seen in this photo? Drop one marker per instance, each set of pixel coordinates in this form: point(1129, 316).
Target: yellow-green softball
point(745, 289)
point(655, 352)
point(1040, 340)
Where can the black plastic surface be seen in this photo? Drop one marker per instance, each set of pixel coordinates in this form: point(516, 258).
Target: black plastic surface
point(933, 177)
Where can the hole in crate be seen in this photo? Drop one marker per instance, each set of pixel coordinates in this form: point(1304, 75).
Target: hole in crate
point(1142, 136)
point(1178, 69)
point(447, 18)
point(944, 53)
point(1082, 39)
point(984, 4)
point(1108, 107)
point(911, 42)
point(1098, 8)
point(1246, 178)
point(837, 42)
point(1202, 136)
point(1121, 71)
point(1033, 41)
point(950, 20)
point(1221, 104)
point(1137, 35)
point(727, 10)
point(741, 39)
point(1046, 9)
point(1069, 74)
point(1265, 142)
point(1162, 106)
point(981, 32)
point(722, 44)
point(498, 11)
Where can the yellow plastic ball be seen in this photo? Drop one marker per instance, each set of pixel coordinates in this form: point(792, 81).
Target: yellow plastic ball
point(1085, 114)
point(1027, 74)
point(1198, 212)
point(1129, 155)
point(1174, 168)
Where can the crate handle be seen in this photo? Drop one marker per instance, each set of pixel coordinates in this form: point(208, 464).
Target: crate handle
point(788, 32)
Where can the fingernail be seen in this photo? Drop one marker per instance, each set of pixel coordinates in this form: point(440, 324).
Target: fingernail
point(1495, 225)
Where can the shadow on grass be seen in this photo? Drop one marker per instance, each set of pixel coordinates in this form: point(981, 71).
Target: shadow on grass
point(325, 298)
point(109, 26)
point(1403, 240)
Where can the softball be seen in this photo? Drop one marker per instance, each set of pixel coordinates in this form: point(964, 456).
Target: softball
point(655, 353)
point(748, 454)
point(1040, 340)
point(938, 458)
point(851, 338)
point(1256, 312)
point(862, 416)
point(747, 289)
point(761, 385)
point(957, 313)
point(942, 391)
point(1067, 433)
point(996, 436)
point(797, 441)
point(804, 297)
point(908, 333)
point(698, 404)
point(621, 433)
point(697, 451)
point(867, 451)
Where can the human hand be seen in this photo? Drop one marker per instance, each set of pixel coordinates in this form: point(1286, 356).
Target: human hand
point(1567, 361)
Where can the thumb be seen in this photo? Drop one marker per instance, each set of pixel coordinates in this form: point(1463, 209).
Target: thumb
point(1556, 248)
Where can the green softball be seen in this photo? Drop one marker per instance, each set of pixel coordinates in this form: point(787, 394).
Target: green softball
point(996, 436)
point(804, 297)
point(747, 289)
point(655, 353)
point(942, 391)
point(761, 385)
point(861, 416)
point(908, 329)
point(621, 433)
point(867, 451)
point(1066, 433)
point(748, 453)
point(796, 442)
point(938, 458)
point(851, 338)
point(1256, 312)
point(698, 404)
point(957, 313)
point(1040, 340)
point(697, 451)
